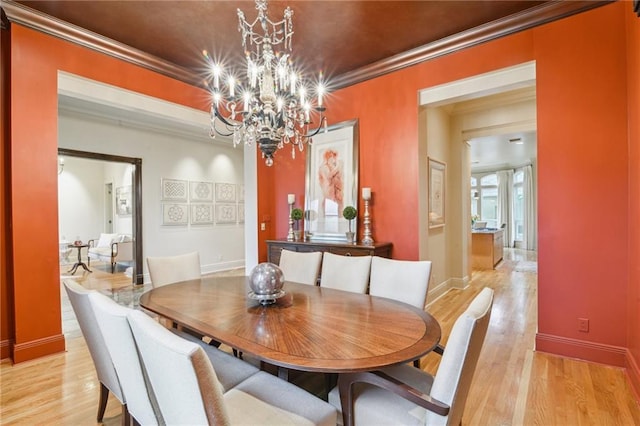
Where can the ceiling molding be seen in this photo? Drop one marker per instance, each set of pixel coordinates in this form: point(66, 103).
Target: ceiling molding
point(31, 18)
point(529, 18)
point(539, 15)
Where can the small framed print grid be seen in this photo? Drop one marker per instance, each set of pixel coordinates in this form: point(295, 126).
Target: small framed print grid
point(174, 190)
point(240, 212)
point(201, 191)
point(201, 214)
point(226, 213)
point(175, 214)
point(226, 192)
point(192, 202)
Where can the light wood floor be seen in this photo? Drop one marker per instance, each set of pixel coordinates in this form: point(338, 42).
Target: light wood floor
point(513, 384)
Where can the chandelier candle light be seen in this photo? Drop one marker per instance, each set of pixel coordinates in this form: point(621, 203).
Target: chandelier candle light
point(273, 106)
point(366, 196)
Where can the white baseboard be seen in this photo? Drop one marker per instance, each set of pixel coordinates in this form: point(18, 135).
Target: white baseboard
point(442, 288)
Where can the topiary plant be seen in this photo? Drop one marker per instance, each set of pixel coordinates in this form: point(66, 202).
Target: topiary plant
point(349, 213)
point(297, 215)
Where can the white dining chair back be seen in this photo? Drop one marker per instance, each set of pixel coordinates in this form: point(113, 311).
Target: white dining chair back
point(403, 280)
point(379, 400)
point(188, 390)
point(458, 365)
point(300, 267)
point(107, 376)
point(181, 377)
point(350, 273)
point(114, 325)
point(172, 269)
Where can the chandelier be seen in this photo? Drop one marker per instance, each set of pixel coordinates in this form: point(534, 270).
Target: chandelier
point(272, 105)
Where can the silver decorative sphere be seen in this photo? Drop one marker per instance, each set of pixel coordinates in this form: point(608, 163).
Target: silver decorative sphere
point(266, 279)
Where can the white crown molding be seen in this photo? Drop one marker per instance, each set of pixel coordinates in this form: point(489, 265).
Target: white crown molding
point(103, 101)
point(505, 79)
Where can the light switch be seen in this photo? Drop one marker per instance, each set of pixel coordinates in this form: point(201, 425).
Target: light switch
point(263, 226)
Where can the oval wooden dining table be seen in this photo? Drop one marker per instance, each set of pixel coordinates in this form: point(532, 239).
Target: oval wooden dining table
point(310, 328)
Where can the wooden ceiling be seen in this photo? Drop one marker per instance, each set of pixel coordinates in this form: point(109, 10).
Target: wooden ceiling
point(338, 38)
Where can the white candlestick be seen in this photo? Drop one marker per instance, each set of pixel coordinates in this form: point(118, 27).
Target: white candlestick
point(291, 198)
point(366, 193)
point(320, 92)
point(232, 87)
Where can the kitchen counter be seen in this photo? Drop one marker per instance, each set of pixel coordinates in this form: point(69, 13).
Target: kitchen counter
point(487, 247)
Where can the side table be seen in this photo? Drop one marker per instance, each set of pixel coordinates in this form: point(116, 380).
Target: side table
point(79, 262)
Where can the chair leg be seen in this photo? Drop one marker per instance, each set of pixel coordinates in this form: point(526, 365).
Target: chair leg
point(330, 380)
point(113, 267)
point(102, 406)
point(126, 416)
point(416, 363)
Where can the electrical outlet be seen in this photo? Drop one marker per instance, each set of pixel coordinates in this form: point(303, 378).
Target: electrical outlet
point(583, 325)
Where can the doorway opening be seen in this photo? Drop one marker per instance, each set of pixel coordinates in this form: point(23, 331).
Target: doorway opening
point(119, 210)
point(501, 102)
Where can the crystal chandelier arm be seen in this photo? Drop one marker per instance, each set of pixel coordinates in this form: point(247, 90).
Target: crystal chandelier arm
point(231, 128)
point(323, 121)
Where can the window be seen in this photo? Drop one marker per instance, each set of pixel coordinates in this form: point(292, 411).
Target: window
point(518, 205)
point(484, 199)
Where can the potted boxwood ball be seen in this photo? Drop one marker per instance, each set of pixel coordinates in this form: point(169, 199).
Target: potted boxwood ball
point(350, 213)
point(297, 215)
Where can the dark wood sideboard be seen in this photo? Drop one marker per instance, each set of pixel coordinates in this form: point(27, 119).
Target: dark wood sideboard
point(274, 247)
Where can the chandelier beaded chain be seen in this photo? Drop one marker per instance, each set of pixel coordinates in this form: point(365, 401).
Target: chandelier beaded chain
point(272, 106)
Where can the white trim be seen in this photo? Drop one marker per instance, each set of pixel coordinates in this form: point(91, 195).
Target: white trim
point(511, 78)
point(84, 89)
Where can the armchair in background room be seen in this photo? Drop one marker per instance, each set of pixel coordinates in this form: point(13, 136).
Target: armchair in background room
point(112, 248)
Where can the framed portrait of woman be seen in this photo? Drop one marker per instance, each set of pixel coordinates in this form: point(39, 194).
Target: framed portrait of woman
point(331, 181)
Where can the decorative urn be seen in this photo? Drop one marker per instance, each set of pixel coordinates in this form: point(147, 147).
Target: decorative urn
point(266, 279)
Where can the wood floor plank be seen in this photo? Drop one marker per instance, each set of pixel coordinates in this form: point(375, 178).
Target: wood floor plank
point(513, 384)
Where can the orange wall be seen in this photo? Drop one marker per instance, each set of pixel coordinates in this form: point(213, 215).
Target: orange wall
point(633, 81)
point(583, 181)
point(35, 60)
point(6, 314)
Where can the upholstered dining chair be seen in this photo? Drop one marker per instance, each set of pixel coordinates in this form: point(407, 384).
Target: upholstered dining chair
point(403, 280)
point(350, 273)
point(409, 396)
point(107, 376)
point(172, 269)
point(300, 267)
point(114, 325)
point(188, 391)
